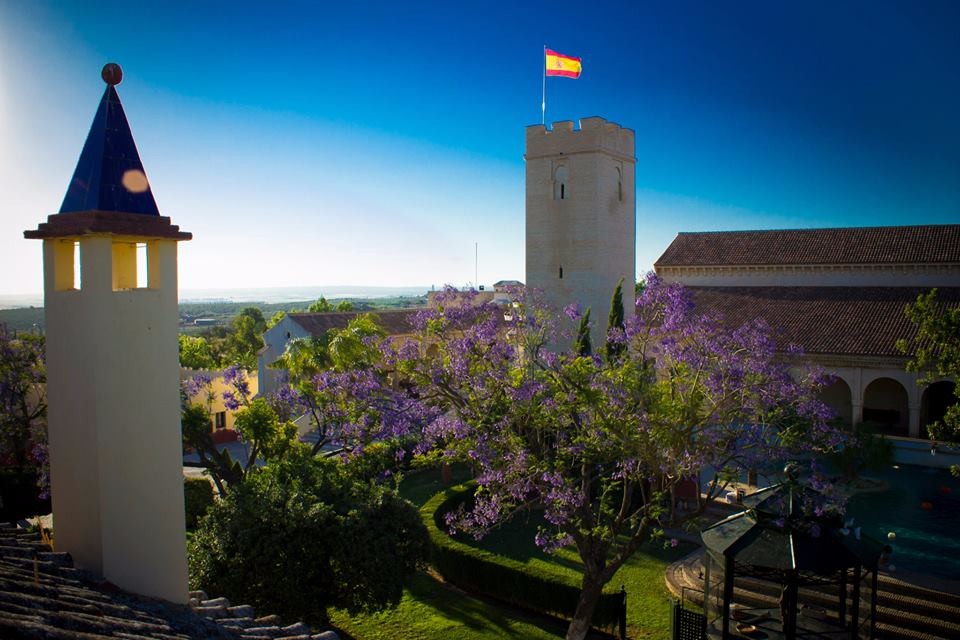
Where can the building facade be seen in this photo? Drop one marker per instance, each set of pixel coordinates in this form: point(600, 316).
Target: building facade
point(839, 294)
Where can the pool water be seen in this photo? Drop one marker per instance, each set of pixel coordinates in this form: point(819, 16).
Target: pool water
point(922, 507)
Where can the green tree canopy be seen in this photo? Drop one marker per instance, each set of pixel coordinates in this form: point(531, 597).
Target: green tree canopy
point(23, 398)
point(320, 306)
point(277, 317)
point(246, 339)
point(936, 354)
point(197, 353)
point(299, 536)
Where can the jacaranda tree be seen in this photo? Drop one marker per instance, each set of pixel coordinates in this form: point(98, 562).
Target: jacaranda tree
point(599, 443)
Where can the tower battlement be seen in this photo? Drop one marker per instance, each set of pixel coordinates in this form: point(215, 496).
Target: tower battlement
point(594, 134)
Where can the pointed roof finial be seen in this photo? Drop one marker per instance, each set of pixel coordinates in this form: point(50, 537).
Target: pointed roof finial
point(109, 175)
point(109, 192)
point(112, 74)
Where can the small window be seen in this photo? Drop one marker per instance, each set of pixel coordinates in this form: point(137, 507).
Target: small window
point(561, 273)
point(77, 273)
point(619, 184)
point(132, 265)
point(66, 264)
point(141, 265)
point(560, 177)
point(220, 419)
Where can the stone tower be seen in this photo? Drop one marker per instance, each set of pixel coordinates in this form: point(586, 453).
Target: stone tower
point(581, 229)
point(111, 331)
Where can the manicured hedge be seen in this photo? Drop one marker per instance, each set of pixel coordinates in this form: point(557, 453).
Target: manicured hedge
point(500, 577)
point(198, 497)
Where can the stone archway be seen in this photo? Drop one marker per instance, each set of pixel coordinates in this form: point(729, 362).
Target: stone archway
point(886, 406)
point(936, 398)
point(837, 396)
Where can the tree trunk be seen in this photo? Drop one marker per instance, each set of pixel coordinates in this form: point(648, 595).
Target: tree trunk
point(590, 592)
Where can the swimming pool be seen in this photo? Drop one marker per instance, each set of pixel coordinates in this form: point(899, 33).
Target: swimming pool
point(922, 507)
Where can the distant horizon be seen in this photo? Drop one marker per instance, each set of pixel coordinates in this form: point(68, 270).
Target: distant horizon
point(265, 295)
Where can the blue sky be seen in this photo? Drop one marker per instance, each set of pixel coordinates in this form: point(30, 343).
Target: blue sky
point(375, 143)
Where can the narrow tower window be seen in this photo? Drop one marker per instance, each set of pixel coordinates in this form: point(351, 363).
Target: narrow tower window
point(142, 265)
point(619, 184)
point(66, 264)
point(124, 265)
point(560, 183)
point(76, 265)
point(561, 273)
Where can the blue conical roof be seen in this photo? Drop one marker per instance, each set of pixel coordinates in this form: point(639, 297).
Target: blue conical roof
point(109, 175)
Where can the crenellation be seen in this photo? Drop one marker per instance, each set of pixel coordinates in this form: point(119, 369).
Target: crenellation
point(593, 134)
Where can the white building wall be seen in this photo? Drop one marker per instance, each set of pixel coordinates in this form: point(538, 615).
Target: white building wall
point(114, 418)
point(275, 338)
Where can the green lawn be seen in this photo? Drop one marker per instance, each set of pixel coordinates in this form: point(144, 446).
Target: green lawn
point(648, 605)
point(431, 610)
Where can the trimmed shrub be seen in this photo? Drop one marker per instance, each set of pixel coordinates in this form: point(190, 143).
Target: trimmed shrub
point(299, 535)
point(198, 497)
point(503, 578)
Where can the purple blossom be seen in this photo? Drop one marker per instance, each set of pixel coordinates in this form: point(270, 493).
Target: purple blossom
point(230, 401)
point(197, 385)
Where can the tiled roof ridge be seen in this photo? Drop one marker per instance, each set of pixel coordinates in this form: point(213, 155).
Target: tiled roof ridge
point(355, 312)
point(889, 245)
point(813, 229)
point(395, 321)
point(42, 595)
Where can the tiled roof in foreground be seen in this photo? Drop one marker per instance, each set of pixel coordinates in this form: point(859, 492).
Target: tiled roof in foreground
point(63, 602)
point(43, 596)
point(855, 321)
point(928, 244)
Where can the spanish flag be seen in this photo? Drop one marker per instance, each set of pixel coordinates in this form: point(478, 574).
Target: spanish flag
point(558, 64)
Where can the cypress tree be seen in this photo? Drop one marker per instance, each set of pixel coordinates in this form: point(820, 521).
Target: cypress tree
point(582, 346)
point(615, 319)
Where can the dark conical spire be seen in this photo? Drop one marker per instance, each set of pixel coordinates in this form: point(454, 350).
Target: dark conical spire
point(109, 175)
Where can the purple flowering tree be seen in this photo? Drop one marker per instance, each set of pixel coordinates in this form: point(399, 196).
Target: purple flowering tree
point(23, 400)
point(599, 444)
point(348, 394)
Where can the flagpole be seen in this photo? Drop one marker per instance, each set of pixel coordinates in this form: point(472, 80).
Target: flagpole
point(543, 101)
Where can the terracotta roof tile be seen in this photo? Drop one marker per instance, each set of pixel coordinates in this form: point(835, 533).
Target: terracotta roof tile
point(851, 245)
point(395, 321)
point(63, 602)
point(861, 321)
point(60, 601)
